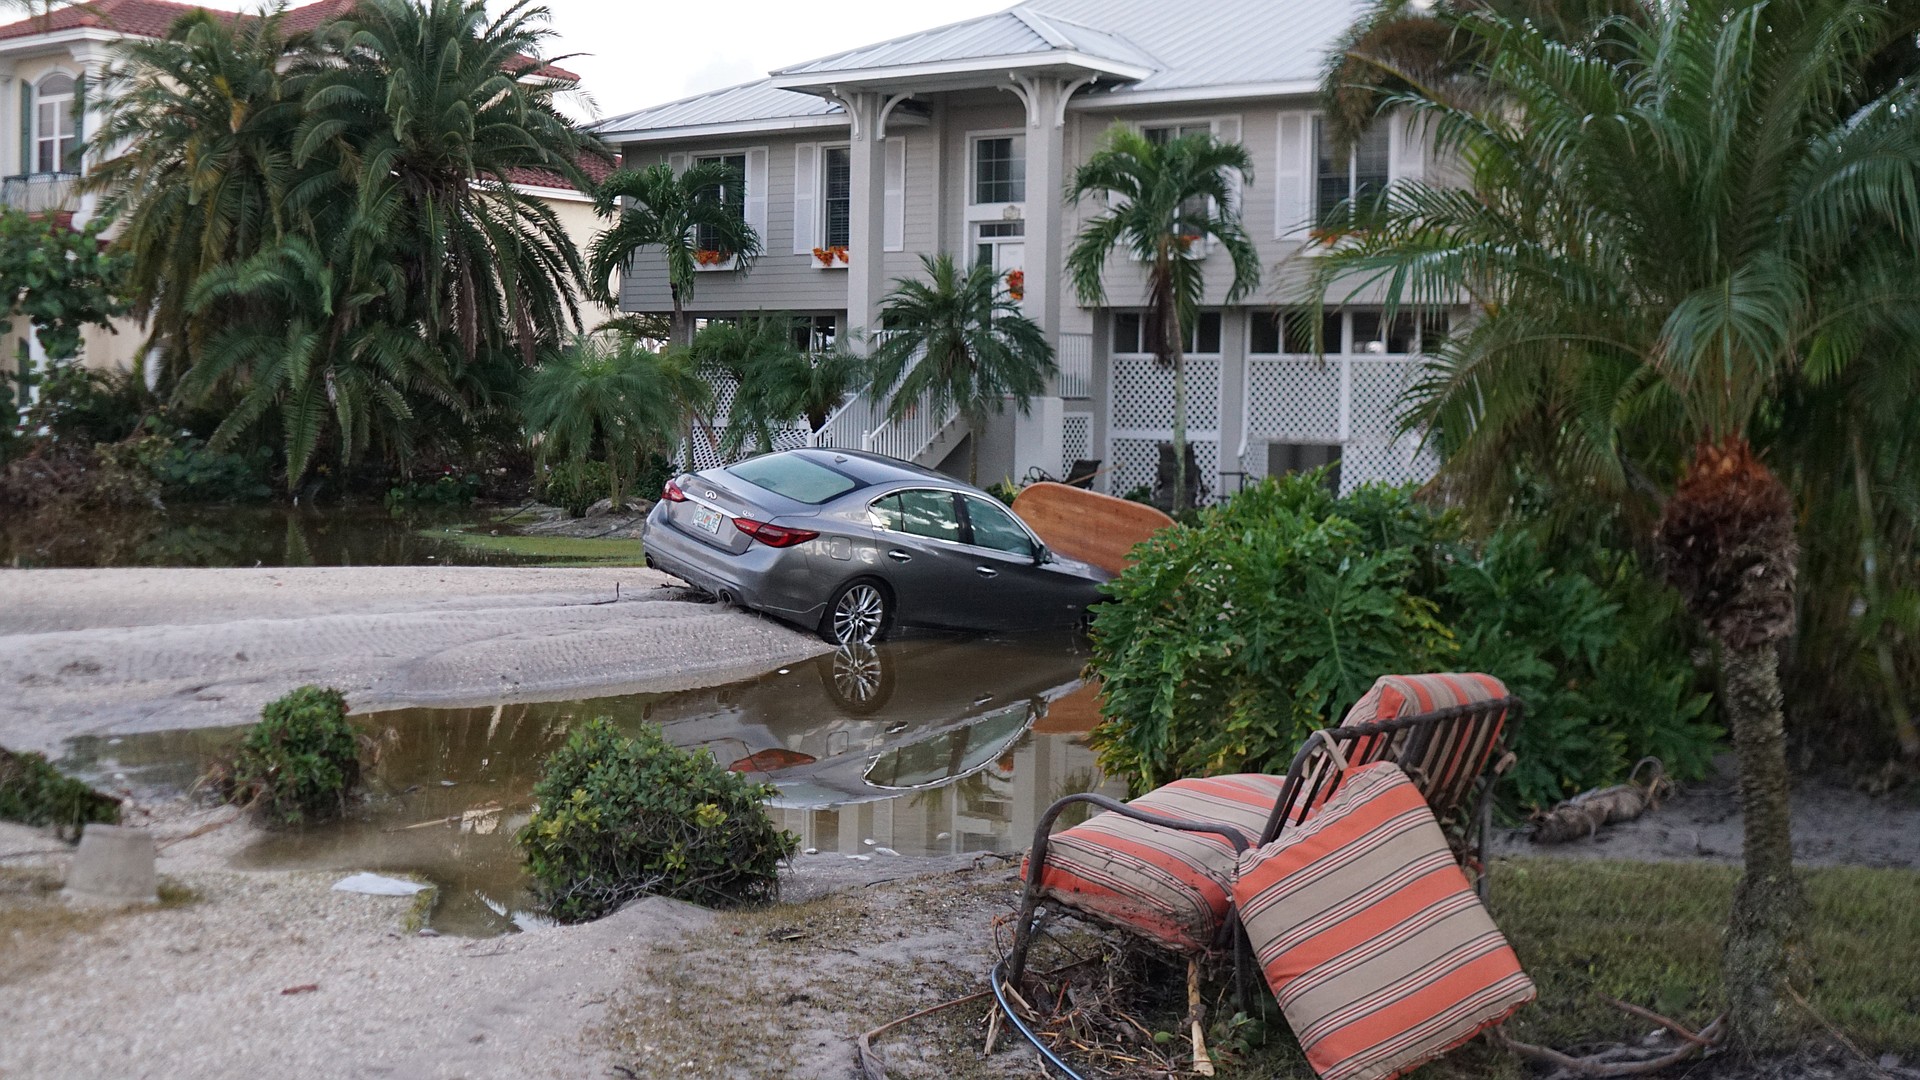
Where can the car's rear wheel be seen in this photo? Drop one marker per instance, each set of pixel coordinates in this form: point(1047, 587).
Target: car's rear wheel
point(859, 613)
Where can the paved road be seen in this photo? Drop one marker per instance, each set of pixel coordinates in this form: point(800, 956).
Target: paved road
point(115, 651)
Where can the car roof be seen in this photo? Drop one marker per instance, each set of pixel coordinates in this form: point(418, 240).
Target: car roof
point(874, 469)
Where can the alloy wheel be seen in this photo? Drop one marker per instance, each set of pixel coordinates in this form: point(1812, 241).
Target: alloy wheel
point(860, 615)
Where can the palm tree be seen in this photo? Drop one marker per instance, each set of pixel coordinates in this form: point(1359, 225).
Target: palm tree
point(958, 342)
point(200, 123)
point(1654, 244)
point(775, 380)
point(677, 214)
point(603, 395)
point(1168, 202)
point(421, 105)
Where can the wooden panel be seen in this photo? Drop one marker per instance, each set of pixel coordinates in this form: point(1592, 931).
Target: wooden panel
point(1087, 525)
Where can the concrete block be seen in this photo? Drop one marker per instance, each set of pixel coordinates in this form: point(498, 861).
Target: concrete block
point(113, 867)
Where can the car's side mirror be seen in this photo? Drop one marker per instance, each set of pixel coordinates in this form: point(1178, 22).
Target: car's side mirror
point(1041, 556)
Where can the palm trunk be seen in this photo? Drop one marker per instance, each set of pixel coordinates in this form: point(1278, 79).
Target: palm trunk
point(973, 450)
point(1768, 902)
point(681, 333)
point(1179, 427)
point(1729, 546)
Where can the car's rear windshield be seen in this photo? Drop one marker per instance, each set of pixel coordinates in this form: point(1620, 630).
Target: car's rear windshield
point(795, 477)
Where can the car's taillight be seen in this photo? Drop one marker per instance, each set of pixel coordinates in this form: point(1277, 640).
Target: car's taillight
point(672, 493)
point(774, 535)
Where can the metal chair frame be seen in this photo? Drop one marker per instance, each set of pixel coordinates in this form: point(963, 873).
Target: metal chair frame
point(1405, 741)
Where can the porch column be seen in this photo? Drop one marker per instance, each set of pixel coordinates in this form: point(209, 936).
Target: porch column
point(1036, 436)
point(866, 233)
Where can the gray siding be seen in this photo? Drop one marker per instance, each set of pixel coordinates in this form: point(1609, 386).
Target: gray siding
point(779, 280)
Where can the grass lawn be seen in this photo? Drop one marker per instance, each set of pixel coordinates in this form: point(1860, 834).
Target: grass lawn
point(546, 550)
point(1649, 934)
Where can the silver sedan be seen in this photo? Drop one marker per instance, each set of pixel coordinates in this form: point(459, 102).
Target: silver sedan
point(852, 544)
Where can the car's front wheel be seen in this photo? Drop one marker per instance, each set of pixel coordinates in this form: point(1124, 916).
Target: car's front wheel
point(859, 613)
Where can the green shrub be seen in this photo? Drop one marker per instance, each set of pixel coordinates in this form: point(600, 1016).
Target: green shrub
point(33, 792)
point(1232, 638)
point(302, 759)
point(576, 485)
point(618, 817)
point(186, 469)
point(448, 489)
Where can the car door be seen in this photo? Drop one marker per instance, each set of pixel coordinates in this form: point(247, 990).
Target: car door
point(1009, 590)
point(922, 559)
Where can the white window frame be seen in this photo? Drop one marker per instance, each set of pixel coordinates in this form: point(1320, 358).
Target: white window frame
point(991, 211)
point(60, 144)
point(1315, 124)
point(820, 201)
point(695, 158)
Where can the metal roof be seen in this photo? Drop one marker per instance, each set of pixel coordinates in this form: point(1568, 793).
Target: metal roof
point(1017, 32)
point(1184, 47)
point(735, 104)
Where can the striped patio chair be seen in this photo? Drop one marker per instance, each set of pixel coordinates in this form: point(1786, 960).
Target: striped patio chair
point(1162, 866)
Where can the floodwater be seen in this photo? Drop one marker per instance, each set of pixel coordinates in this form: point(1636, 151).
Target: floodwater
point(199, 536)
point(919, 747)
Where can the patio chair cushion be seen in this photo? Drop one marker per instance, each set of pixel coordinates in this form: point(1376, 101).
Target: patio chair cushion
point(1377, 950)
point(1457, 753)
point(1165, 884)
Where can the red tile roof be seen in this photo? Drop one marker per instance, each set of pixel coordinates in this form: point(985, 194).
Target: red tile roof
point(597, 169)
point(152, 18)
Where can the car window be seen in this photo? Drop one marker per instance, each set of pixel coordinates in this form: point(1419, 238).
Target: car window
point(919, 513)
point(994, 528)
point(795, 477)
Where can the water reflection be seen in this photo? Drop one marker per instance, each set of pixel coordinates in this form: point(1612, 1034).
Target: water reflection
point(920, 747)
point(197, 536)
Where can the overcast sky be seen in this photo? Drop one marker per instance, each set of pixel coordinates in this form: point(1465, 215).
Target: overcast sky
point(638, 53)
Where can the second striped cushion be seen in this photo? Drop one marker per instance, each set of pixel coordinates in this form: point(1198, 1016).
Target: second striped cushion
point(1374, 945)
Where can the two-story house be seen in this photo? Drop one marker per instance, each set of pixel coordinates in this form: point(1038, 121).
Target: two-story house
point(50, 94)
point(963, 138)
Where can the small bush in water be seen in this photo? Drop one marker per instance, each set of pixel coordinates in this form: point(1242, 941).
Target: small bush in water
point(33, 792)
point(302, 759)
point(619, 817)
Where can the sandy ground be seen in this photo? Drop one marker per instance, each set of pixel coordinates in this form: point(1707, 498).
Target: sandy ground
point(199, 987)
point(1832, 825)
point(115, 651)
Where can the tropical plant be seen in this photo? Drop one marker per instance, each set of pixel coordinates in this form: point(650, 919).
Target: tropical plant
point(1657, 243)
point(1231, 638)
point(605, 398)
point(61, 279)
point(617, 817)
point(424, 105)
point(1167, 203)
point(33, 792)
point(775, 381)
point(300, 762)
point(957, 342)
point(681, 215)
point(195, 158)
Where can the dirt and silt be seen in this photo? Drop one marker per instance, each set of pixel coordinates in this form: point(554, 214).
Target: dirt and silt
point(902, 771)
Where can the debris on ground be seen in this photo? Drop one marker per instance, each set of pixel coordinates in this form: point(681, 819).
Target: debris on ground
point(1583, 815)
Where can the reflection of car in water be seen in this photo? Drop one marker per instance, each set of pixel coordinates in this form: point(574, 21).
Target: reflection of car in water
point(866, 722)
point(851, 544)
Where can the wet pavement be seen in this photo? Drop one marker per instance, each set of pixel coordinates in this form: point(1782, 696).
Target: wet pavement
point(931, 746)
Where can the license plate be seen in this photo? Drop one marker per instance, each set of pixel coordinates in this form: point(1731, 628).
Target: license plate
point(708, 520)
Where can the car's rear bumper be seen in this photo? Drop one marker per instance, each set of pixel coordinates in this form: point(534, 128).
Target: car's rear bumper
point(774, 580)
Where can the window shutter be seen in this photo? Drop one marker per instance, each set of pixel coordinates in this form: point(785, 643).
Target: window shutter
point(895, 235)
point(1292, 186)
point(26, 126)
point(806, 178)
point(756, 178)
point(677, 162)
point(1406, 151)
point(73, 162)
point(1227, 130)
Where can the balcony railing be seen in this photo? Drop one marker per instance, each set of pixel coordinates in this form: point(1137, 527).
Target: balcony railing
point(39, 193)
point(1076, 365)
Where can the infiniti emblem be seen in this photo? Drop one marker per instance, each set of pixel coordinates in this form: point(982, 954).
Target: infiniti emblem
point(712, 495)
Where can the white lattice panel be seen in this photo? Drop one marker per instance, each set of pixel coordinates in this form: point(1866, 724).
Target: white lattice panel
point(1379, 395)
point(1402, 462)
point(706, 456)
point(1375, 450)
point(1076, 440)
point(1143, 394)
point(1136, 464)
point(1294, 400)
